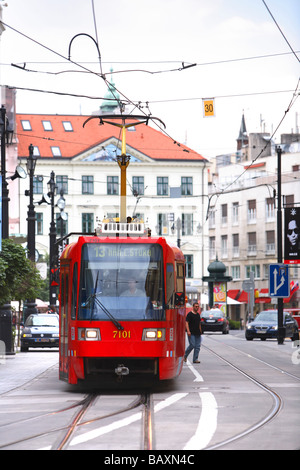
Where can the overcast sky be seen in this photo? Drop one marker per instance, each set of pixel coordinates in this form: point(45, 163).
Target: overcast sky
point(137, 37)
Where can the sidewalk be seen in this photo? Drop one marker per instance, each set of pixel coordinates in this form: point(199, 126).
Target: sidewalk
point(16, 370)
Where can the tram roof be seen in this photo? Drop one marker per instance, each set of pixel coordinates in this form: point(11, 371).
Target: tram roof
point(74, 245)
point(76, 140)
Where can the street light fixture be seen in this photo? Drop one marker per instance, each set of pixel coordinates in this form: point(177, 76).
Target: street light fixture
point(31, 218)
point(6, 135)
point(52, 243)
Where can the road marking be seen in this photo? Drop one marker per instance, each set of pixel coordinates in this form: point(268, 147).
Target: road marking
point(207, 424)
point(199, 377)
point(124, 422)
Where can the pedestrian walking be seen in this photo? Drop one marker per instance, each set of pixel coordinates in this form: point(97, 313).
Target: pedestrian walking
point(194, 332)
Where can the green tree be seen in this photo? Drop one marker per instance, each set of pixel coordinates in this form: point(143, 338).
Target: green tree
point(19, 278)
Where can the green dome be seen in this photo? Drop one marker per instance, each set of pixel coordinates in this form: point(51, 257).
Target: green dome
point(111, 98)
point(217, 268)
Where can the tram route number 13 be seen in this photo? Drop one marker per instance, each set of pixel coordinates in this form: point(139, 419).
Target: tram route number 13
point(208, 107)
point(118, 334)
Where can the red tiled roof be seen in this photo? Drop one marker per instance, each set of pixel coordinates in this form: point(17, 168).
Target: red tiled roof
point(148, 141)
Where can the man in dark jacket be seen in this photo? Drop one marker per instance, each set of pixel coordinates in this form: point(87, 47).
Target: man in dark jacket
point(194, 332)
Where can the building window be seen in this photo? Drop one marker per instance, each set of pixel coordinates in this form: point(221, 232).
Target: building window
point(251, 214)
point(61, 225)
point(47, 125)
point(61, 184)
point(39, 223)
point(212, 247)
point(189, 271)
point(112, 215)
point(224, 246)
point(67, 126)
point(270, 242)
point(235, 213)
point(87, 185)
point(163, 224)
point(138, 185)
point(113, 185)
point(289, 201)
point(36, 151)
point(87, 222)
point(162, 186)
point(187, 224)
point(38, 184)
point(252, 244)
point(26, 125)
point(212, 218)
point(56, 151)
point(270, 209)
point(254, 269)
point(224, 214)
point(186, 185)
point(236, 272)
point(235, 245)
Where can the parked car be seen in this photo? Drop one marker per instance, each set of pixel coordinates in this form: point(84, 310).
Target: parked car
point(214, 320)
point(40, 331)
point(265, 325)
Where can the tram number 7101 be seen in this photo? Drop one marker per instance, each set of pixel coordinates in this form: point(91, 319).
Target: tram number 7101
point(118, 334)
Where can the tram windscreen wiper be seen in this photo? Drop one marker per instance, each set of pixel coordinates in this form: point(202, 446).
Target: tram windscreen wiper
point(95, 299)
point(110, 316)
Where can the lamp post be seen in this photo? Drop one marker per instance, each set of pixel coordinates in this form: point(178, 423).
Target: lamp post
point(6, 132)
point(31, 218)
point(5, 198)
point(52, 246)
point(5, 310)
point(281, 328)
point(61, 204)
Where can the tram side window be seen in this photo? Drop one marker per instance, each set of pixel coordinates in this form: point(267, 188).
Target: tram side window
point(62, 304)
point(180, 277)
point(170, 285)
point(74, 292)
point(67, 296)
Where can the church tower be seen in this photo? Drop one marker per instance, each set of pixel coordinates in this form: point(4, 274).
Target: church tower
point(242, 139)
point(111, 102)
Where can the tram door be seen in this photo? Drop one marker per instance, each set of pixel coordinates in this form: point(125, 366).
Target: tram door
point(64, 296)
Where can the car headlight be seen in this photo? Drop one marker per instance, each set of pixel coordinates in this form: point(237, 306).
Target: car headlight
point(275, 327)
point(250, 327)
point(55, 335)
point(27, 335)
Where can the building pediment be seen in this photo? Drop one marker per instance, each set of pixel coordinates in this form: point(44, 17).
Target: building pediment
point(108, 151)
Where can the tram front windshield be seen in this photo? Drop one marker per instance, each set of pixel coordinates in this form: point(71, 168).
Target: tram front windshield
point(121, 280)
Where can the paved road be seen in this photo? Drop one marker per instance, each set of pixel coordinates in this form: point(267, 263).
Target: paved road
point(208, 405)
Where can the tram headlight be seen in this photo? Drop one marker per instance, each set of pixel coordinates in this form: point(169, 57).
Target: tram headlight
point(154, 334)
point(89, 334)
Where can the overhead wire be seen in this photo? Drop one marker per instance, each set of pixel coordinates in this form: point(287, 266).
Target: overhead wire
point(282, 33)
point(112, 88)
point(225, 190)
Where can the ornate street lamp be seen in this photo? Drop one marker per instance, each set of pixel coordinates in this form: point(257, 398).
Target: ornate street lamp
point(52, 246)
point(6, 135)
point(31, 218)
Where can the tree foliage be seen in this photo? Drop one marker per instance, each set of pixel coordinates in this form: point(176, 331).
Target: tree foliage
point(19, 278)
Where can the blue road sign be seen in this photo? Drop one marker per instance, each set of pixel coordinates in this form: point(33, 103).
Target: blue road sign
point(279, 284)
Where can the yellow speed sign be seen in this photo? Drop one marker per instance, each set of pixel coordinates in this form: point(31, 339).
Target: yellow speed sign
point(208, 107)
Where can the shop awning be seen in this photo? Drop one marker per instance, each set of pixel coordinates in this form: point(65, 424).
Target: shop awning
point(263, 297)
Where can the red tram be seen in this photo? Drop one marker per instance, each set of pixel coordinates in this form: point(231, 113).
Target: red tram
point(122, 308)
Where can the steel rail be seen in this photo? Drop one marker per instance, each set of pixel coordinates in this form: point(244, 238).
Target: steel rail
point(277, 404)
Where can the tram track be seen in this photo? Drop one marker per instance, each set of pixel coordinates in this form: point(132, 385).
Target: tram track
point(276, 398)
point(144, 401)
point(66, 432)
